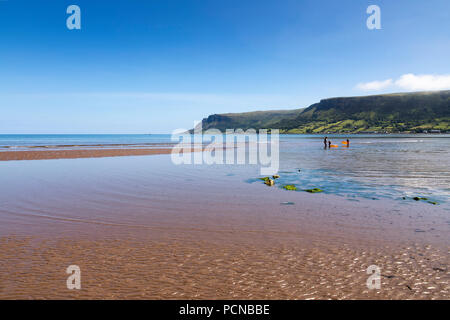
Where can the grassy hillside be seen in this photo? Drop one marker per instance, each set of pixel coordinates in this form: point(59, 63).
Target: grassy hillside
point(247, 120)
point(401, 112)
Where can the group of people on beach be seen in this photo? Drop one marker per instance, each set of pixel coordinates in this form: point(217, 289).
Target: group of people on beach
point(327, 142)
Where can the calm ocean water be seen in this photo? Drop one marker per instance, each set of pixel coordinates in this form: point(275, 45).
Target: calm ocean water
point(48, 140)
point(374, 167)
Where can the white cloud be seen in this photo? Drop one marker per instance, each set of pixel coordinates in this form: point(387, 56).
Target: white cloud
point(374, 85)
point(423, 82)
point(409, 82)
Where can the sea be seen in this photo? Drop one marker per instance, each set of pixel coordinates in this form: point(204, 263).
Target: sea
point(399, 167)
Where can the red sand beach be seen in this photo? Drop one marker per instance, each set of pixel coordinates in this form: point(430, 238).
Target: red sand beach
point(78, 153)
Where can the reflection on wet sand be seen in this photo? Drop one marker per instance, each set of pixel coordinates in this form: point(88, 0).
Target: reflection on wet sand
point(140, 227)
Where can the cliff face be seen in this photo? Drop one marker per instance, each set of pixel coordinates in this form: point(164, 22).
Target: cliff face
point(401, 112)
point(247, 120)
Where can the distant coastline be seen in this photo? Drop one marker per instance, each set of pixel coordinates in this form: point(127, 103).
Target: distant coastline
point(418, 112)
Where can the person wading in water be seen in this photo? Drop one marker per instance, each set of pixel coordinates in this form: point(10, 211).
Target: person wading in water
point(325, 142)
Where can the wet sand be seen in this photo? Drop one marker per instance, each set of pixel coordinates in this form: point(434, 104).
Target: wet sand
point(129, 269)
point(94, 151)
point(78, 153)
point(140, 229)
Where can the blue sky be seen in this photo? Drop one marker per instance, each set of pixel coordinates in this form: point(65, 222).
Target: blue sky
point(158, 65)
